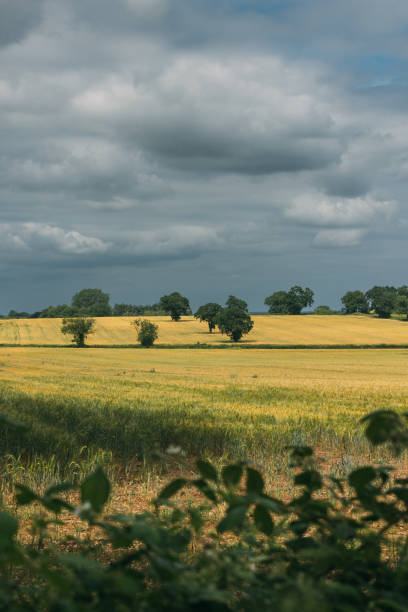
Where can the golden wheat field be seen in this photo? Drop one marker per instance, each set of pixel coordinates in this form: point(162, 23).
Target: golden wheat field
point(83, 406)
point(275, 329)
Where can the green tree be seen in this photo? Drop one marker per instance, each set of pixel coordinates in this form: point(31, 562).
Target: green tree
point(234, 302)
point(79, 328)
point(92, 302)
point(209, 313)
point(175, 305)
point(234, 322)
point(147, 332)
point(355, 301)
point(290, 302)
point(401, 305)
point(382, 300)
point(277, 302)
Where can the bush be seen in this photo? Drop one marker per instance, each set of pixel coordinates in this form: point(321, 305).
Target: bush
point(147, 332)
point(327, 549)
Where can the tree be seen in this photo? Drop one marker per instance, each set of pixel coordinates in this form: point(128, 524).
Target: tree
point(236, 302)
point(147, 332)
point(234, 322)
point(92, 302)
point(324, 310)
point(290, 302)
point(382, 300)
point(79, 328)
point(401, 305)
point(175, 305)
point(355, 301)
point(209, 313)
point(278, 303)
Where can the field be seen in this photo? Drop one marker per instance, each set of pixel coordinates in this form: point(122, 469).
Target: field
point(275, 330)
point(125, 408)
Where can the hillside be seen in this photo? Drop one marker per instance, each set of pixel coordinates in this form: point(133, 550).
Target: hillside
point(268, 329)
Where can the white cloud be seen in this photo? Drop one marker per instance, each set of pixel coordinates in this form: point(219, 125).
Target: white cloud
point(338, 238)
point(37, 237)
point(319, 210)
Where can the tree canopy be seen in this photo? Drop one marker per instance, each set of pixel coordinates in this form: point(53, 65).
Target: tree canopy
point(175, 305)
point(92, 302)
point(236, 303)
point(209, 313)
point(290, 302)
point(234, 322)
point(79, 328)
point(355, 301)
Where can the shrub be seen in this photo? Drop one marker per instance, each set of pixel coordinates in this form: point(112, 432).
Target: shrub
point(147, 332)
point(325, 549)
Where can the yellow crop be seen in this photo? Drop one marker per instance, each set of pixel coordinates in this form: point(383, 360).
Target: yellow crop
point(268, 329)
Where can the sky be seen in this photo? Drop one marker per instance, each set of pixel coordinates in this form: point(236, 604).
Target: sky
point(210, 147)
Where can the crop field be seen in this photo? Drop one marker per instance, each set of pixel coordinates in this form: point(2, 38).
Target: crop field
point(125, 407)
point(268, 329)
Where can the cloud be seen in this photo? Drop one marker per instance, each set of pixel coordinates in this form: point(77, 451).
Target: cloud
point(34, 238)
point(253, 116)
point(317, 210)
point(335, 238)
point(18, 18)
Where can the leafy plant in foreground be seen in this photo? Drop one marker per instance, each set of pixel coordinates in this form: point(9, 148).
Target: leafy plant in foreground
point(325, 549)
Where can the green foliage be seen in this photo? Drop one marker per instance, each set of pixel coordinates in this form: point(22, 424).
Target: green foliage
point(325, 310)
point(92, 302)
point(79, 328)
point(175, 305)
point(290, 302)
point(209, 313)
point(234, 322)
point(355, 301)
point(147, 332)
point(382, 300)
point(326, 548)
point(234, 302)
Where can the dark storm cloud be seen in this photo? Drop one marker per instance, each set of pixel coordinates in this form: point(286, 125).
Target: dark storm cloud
point(18, 18)
point(215, 147)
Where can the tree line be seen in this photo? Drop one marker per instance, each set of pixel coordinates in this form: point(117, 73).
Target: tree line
point(381, 300)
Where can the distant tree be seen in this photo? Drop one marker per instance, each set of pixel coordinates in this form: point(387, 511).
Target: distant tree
point(278, 303)
point(382, 300)
point(92, 302)
point(234, 322)
point(324, 310)
point(355, 301)
point(175, 305)
point(401, 305)
point(79, 328)
point(234, 302)
point(290, 302)
point(209, 313)
point(147, 332)
point(299, 298)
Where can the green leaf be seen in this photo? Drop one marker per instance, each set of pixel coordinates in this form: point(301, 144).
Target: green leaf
point(95, 489)
point(207, 470)
point(172, 488)
point(263, 519)
point(255, 483)
point(231, 475)
point(25, 495)
point(233, 519)
point(196, 519)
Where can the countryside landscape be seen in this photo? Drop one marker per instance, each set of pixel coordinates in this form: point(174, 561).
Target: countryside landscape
point(203, 306)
